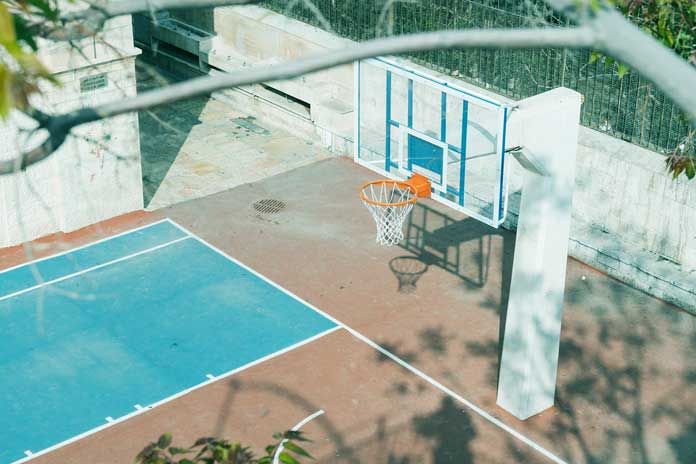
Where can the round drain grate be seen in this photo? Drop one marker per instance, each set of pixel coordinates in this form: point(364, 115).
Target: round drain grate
point(269, 206)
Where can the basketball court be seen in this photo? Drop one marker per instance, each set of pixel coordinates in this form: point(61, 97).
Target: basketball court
point(400, 375)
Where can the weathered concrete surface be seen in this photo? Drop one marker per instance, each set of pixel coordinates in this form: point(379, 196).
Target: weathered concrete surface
point(95, 174)
point(202, 146)
point(625, 381)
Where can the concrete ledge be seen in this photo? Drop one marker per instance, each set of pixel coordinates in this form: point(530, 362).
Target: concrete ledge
point(645, 271)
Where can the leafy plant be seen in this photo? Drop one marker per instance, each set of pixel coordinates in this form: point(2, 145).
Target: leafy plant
point(21, 72)
point(672, 22)
point(680, 161)
point(209, 450)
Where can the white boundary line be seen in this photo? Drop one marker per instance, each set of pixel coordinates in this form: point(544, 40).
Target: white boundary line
point(297, 427)
point(485, 415)
point(177, 395)
point(93, 268)
point(87, 245)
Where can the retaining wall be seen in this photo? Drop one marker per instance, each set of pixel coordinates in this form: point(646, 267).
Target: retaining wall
point(95, 174)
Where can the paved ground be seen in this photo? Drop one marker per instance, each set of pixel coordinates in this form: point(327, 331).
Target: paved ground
point(202, 146)
point(626, 377)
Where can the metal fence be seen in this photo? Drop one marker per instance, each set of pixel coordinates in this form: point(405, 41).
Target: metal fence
point(630, 108)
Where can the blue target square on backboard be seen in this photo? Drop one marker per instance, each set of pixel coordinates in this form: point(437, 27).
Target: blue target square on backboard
point(426, 155)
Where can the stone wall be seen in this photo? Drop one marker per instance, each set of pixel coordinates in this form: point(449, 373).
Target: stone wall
point(630, 218)
point(95, 175)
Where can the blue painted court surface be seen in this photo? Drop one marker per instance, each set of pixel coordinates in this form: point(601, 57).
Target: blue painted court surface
point(130, 320)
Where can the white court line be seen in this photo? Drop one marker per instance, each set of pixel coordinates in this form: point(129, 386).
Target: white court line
point(297, 427)
point(87, 245)
point(177, 395)
point(481, 412)
point(89, 269)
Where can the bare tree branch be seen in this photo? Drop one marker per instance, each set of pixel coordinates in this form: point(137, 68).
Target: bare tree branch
point(604, 30)
point(60, 125)
point(472, 38)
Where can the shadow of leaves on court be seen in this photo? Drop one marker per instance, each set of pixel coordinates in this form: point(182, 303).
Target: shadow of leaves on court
point(292, 398)
point(625, 388)
point(443, 436)
point(451, 430)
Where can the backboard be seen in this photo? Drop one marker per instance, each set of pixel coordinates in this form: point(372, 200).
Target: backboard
point(407, 121)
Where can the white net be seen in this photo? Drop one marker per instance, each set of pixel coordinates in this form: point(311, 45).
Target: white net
point(389, 202)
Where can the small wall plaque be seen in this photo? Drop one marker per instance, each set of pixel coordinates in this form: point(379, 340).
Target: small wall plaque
point(90, 83)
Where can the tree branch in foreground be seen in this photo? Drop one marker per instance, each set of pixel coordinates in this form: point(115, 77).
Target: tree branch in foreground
point(59, 126)
point(673, 75)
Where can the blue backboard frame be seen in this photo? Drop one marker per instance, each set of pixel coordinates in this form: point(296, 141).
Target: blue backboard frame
point(432, 153)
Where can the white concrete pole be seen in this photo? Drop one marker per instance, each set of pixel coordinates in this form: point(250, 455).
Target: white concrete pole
point(546, 125)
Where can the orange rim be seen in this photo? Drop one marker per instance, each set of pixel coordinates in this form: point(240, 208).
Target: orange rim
point(364, 198)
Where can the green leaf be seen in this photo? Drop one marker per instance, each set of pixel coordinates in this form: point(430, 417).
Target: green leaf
point(45, 8)
point(203, 441)
point(175, 450)
point(297, 450)
point(23, 32)
point(285, 458)
point(295, 435)
point(164, 441)
point(594, 56)
point(265, 460)
point(622, 70)
point(7, 30)
point(6, 100)
point(690, 170)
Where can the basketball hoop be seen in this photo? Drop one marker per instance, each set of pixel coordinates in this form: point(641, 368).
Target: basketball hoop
point(389, 202)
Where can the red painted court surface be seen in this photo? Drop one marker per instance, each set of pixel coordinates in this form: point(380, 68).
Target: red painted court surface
point(410, 376)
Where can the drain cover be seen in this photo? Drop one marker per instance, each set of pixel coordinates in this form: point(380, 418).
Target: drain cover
point(269, 206)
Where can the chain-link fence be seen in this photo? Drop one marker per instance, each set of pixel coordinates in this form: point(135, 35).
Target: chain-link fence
point(630, 108)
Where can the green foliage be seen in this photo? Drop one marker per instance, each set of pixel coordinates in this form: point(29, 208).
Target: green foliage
point(672, 22)
point(680, 161)
point(21, 72)
point(209, 450)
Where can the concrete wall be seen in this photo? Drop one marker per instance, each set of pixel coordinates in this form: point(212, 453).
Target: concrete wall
point(630, 219)
point(95, 175)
